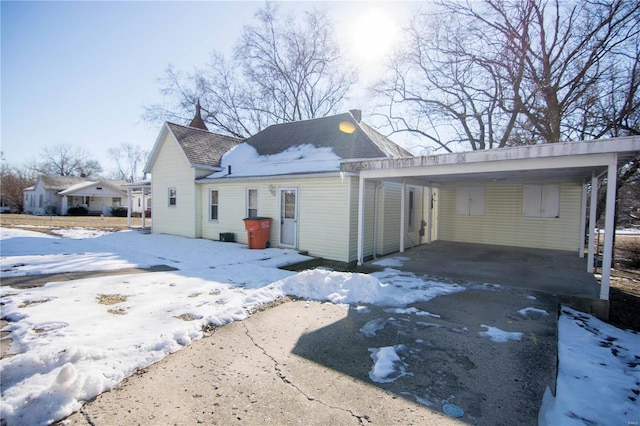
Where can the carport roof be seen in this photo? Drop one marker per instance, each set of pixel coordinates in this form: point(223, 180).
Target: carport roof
point(568, 161)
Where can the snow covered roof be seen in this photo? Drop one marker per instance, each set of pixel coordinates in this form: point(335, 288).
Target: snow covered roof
point(311, 146)
point(325, 132)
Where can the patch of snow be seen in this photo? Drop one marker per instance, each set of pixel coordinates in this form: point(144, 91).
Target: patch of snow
point(428, 324)
point(79, 233)
point(598, 374)
point(362, 309)
point(409, 311)
point(392, 262)
point(372, 327)
point(533, 312)
point(499, 336)
point(387, 364)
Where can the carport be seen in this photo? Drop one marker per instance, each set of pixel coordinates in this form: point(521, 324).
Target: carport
point(571, 163)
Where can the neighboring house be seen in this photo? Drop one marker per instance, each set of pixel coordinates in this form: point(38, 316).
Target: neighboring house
point(290, 173)
point(55, 194)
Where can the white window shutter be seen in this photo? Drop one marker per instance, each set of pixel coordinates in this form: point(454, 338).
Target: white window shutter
point(476, 201)
point(462, 200)
point(550, 201)
point(531, 200)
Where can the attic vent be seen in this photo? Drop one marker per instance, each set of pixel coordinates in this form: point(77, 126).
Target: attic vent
point(99, 188)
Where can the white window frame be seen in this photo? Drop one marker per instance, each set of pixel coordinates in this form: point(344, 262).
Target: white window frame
point(541, 201)
point(175, 196)
point(248, 204)
point(470, 200)
point(211, 218)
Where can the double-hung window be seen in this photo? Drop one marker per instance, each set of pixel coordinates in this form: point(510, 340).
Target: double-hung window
point(213, 204)
point(252, 202)
point(172, 197)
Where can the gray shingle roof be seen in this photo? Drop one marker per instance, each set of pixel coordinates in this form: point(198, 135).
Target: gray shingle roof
point(60, 182)
point(202, 147)
point(365, 142)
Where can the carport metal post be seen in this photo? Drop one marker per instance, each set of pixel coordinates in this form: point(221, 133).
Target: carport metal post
point(612, 176)
point(402, 200)
point(592, 220)
point(360, 220)
point(583, 219)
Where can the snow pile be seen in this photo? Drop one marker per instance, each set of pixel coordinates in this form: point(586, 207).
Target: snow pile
point(598, 374)
point(245, 161)
point(340, 287)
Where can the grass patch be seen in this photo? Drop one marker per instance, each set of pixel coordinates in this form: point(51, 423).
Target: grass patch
point(27, 303)
point(111, 299)
point(188, 317)
point(117, 311)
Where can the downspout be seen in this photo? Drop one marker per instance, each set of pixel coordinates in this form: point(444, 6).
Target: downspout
point(375, 219)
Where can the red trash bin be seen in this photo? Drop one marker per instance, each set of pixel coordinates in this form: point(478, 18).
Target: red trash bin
point(258, 231)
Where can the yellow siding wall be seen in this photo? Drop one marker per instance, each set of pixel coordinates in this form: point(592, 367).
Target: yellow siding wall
point(389, 218)
point(504, 223)
point(323, 212)
point(369, 215)
point(171, 169)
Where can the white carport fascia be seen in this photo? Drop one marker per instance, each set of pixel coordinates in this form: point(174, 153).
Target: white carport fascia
point(492, 166)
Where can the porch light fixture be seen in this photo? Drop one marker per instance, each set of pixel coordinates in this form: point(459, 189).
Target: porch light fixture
point(346, 127)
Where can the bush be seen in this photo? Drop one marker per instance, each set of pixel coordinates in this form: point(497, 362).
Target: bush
point(77, 211)
point(118, 211)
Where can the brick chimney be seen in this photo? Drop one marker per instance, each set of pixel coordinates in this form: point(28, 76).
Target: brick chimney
point(356, 114)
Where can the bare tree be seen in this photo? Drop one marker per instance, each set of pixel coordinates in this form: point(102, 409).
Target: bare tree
point(129, 160)
point(281, 70)
point(66, 160)
point(493, 73)
point(12, 183)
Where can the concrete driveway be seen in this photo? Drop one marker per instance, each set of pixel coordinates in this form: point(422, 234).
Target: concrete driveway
point(309, 363)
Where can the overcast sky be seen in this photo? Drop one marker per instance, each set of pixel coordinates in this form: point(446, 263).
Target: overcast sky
point(80, 73)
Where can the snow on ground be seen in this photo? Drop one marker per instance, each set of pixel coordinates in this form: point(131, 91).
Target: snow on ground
point(499, 336)
point(598, 377)
point(73, 340)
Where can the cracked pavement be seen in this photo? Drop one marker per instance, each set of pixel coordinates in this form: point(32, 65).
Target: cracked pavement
point(307, 363)
point(245, 373)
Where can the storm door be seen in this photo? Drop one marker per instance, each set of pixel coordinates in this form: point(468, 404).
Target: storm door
point(288, 217)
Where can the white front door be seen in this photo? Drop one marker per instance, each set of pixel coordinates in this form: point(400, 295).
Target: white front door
point(288, 217)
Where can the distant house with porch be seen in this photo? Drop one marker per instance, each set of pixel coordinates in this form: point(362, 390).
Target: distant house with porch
point(54, 195)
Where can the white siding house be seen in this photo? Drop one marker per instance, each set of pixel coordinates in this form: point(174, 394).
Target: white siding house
point(54, 195)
